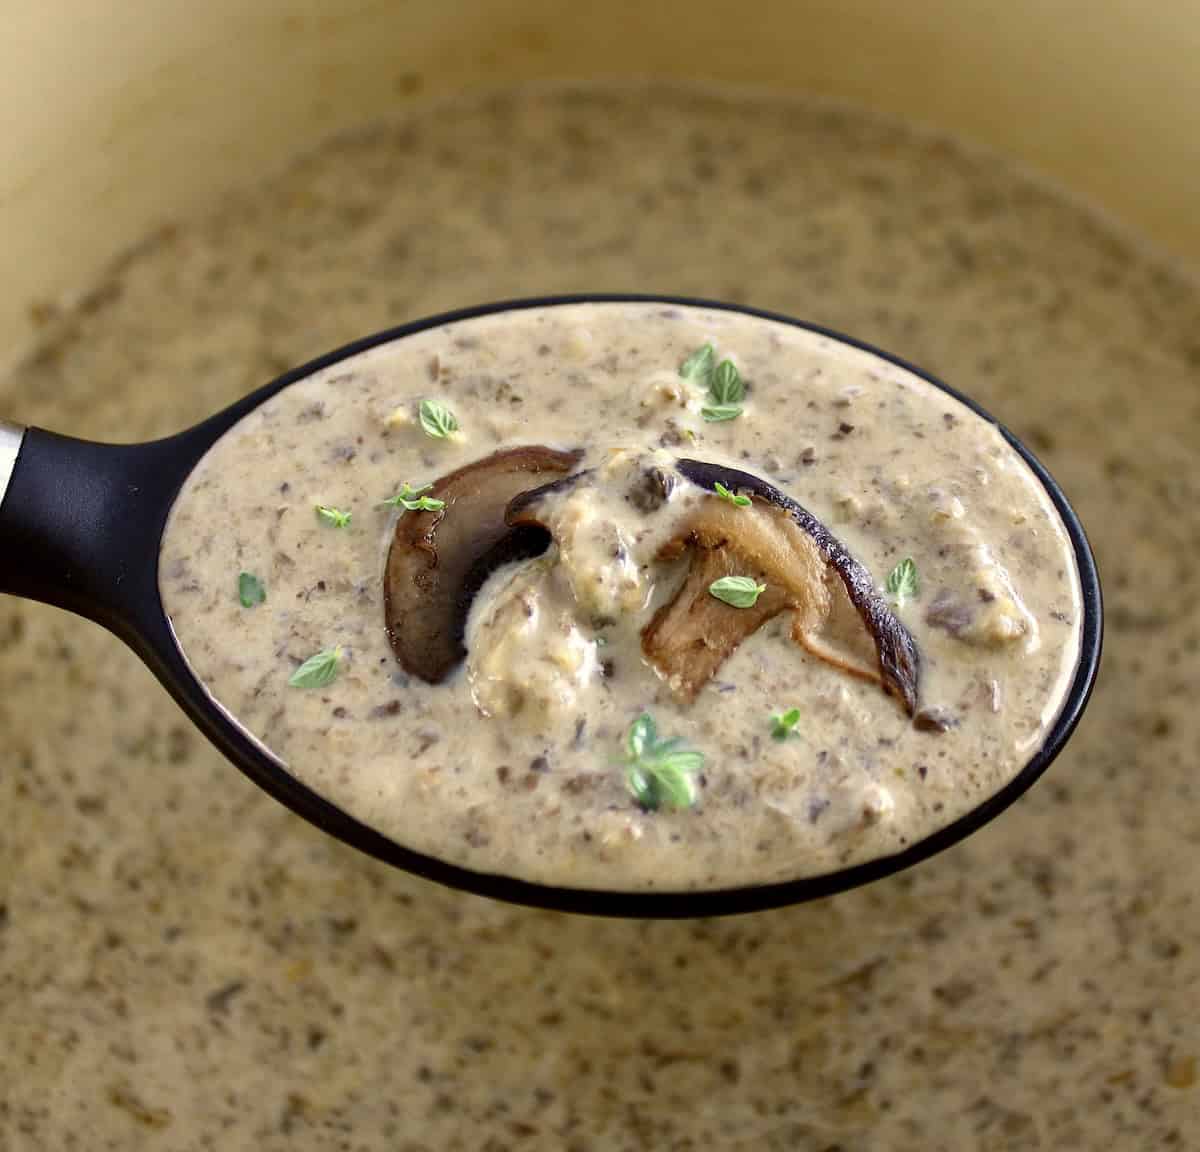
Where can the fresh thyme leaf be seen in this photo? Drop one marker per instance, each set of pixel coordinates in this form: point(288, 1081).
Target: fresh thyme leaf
point(737, 591)
point(334, 516)
point(318, 670)
point(411, 499)
point(436, 419)
point(250, 589)
point(727, 386)
point(784, 723)
point(643, 734)
point(698, 367)
point(642, 787)
point(659, 773)
point(734, 498)
point(664, 785)
point(718, 413)
point(903, 581)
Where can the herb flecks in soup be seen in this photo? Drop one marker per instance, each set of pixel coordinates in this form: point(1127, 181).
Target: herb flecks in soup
point(589, 615)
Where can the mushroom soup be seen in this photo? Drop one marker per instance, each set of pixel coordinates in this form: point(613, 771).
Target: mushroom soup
point(628, 596)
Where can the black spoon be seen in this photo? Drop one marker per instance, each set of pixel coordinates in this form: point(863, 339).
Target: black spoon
point(81, 524)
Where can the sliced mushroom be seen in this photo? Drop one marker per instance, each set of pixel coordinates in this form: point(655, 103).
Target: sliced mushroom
point(840, 615)
point(439, 560)
point(690, 638)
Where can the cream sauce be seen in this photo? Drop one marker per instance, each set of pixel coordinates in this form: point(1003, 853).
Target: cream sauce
point(513, 765)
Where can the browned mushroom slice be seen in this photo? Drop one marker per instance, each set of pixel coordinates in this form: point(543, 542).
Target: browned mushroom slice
point(764, 542)
point(691, 637)
point(438, 560)
point(840, 615)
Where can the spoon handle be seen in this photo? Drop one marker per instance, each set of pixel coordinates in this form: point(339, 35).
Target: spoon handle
point(80, 523)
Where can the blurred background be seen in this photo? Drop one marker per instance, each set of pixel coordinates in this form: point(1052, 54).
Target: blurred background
point(195, 198)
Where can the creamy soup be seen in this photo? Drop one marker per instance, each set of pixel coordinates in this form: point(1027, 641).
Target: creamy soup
point(184, 963)
point(592, 529)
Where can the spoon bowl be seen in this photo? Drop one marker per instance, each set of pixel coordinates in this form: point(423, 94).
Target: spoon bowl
point(81, 525)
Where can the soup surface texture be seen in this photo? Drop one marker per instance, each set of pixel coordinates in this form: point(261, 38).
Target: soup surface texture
point(511, 760)
point(187, 964)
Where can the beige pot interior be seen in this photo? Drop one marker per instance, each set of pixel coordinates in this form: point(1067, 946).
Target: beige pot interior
point(121, 115)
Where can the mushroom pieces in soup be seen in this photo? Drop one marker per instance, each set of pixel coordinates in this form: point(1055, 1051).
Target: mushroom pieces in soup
point(759, 534)
point(838, 615)
point(670, 598)
point(440, 556)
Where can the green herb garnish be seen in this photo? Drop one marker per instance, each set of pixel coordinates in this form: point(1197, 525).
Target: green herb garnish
point(250, 589)
point(727, 386)
point(718, 413)
point(317, 670)
point(734, 498)
point(659, 773)
point(737, 591)
point(726, 389)
point(411, 499)
point(698, 367)
point(903, 581)
point(436, 419)
point(334, 516)
point(783, 723)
